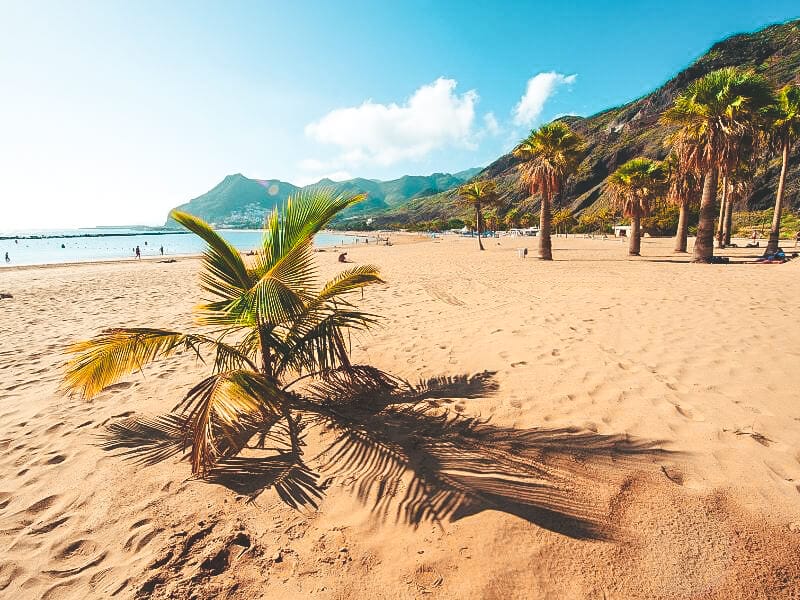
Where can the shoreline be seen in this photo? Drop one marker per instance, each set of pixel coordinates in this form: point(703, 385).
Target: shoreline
point(405, 236)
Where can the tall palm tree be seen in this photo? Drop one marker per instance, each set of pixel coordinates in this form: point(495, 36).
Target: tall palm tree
point(267, 324)
point(479, 194)
point(633, 187)
point(684, 191)
point(550, 154)
point(786, 130)
point(716, 116)
point(738, 183)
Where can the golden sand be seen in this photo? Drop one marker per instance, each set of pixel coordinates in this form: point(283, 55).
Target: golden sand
point(657, 398)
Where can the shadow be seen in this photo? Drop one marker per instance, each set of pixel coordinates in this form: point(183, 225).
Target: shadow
point(405, 454)
point(296, 484)
point(146, 440)
point(415, 461)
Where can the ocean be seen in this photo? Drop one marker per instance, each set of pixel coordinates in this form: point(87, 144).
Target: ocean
point(108, 243)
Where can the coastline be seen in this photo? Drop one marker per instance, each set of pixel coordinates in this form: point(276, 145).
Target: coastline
point(398, 237)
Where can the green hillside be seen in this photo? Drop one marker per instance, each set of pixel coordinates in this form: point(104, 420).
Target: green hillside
point(241, 202)
point(618, 134)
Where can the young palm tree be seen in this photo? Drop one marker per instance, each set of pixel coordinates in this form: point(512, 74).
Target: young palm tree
point(684, 191)
point(786, 130)
point(479, 194)
point(633, 187)
point(716, 116)
point(550, 154)
point(267, 325)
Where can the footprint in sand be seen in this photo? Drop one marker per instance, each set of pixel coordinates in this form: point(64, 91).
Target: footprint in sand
point(425, 579)
point(48, 527)
point(9, 572)
point(56, 460)
point(42, 505)
point(75, 557)
point(688, 412)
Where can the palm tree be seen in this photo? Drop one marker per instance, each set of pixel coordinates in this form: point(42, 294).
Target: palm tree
point(716, 116)
point(479, 194)
point(491, 218)
point(633, 187)
point(562, 219)
point(511, 218)
point(786, 131)
point(684, 191)
point(738, 184)
point(550, 154)
point(268, 325)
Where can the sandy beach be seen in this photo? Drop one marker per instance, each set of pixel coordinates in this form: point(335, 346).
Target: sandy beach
point(642, 439)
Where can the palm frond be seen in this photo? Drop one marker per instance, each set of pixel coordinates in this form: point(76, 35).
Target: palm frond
point(221, 406)
point(279, 294)
point(318, 341)
point(479, 193)
point(346, 282)
point(224, 273)
point(636, 184)
point(115, 353)
point(304, 215)
point(549, 154)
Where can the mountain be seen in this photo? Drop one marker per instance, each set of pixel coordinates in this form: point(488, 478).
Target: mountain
point(619, 134)
point(238, 201)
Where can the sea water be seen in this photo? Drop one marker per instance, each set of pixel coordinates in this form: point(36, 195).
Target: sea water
point(83, 245)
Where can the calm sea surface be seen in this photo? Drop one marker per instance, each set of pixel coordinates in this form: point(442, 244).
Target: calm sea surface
point(76, 245)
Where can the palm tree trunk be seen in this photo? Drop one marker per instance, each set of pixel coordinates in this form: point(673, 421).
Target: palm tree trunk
point(727, 225)
point(775, 230)
point(723, 206)
point(478, 223)
point(545, 243)
point(635, 241)
point(704, 243)
point(683, 226)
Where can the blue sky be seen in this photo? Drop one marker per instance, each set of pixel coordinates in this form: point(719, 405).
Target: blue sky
point(112, 112)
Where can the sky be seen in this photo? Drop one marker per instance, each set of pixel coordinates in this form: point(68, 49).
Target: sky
point(113, 112)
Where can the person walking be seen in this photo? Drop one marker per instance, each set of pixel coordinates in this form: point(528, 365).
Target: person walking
point(138, 252)
point(8, 258)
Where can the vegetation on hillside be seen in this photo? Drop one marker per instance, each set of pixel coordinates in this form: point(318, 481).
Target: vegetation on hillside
point(619, 134)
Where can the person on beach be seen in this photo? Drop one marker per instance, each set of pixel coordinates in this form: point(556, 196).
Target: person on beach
point(138, 252)
point(343, 257)
point(8, 258)
point(162, 250)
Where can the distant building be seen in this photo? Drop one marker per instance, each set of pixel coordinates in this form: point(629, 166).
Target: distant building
point(622, 230)
point(520, 232)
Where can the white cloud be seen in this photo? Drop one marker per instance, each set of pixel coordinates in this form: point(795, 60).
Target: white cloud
point(434, 117)
point(540, 88)
point(490, 124)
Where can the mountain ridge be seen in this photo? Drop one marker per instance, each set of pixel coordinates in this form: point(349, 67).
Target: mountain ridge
point(620, 133)
point(239, 201)
point(613, 136)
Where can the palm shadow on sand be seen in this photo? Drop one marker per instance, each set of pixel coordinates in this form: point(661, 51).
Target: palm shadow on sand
point(412, 460)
